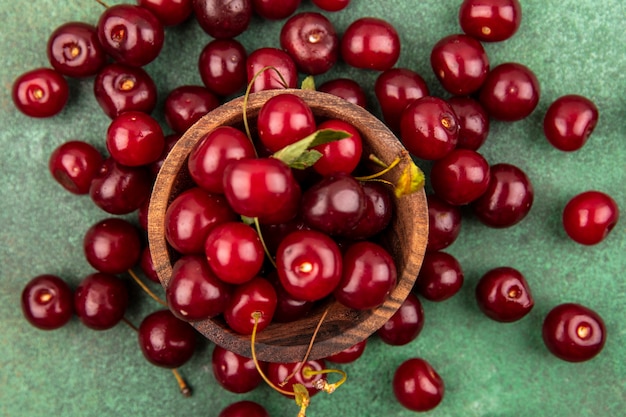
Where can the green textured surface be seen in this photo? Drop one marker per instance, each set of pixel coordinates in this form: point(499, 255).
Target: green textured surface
point(490, 369)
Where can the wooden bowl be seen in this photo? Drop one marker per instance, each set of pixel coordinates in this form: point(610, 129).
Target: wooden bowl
point(405, 238)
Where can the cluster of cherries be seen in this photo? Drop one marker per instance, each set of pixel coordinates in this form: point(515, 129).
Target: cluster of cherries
point(222, 256)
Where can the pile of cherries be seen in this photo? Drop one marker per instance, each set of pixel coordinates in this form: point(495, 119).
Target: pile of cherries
point(312, 238)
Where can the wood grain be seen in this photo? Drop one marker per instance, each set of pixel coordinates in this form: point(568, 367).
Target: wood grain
point(405, 238)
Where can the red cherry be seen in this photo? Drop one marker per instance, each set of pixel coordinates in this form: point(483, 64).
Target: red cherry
point(244, 409)
point(283, 120)
point(169, 12)
point(75, 51)
point(277, 373)
point(185, 105)
point(569, 121)
point(223, 19)
point(331, 5)
point(269, 79)
point(340, 156)
point(405, 324)
point(350, 354)
point(101, 300)
point(460, 177)
point(473, 122)
point(370, 43)
point(589, 217)
point(74, 164)
point(444, 223)
point(222, 66)
point(417, 386)
point(42, 92)
point(47, 302)
point(119, 88)
point(490, 20)
point(345, 88)
point(134, 138)
point(275, 9)
point(504, 295)
point(254, 296)
point(165, 340)
point(396, 88)
point(112, 245)
point(440, 277)
point(234, 372)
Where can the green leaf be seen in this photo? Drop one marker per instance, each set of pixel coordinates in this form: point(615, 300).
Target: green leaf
point(302, 395)
point(292, 155)
point(308, 83)
point(411, 180)
point(307, 159)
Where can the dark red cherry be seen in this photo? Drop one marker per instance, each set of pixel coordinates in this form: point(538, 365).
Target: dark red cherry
point(350, 354)
point(134, 139)
point(74, 164)
point(222, 66)
point(270, 79)
point(396, 88)
point(444, 223)
point(234, 372)
point(119, 88)
point(573, 332)
point(248, 299)
point(503, 294)
point(440, 277)
point(273, 234)
point(417, 386)
point(345, 88)
point(165, 340)
point(283, 120)
point(47, 302)
point(510, 92)
point(590, 216)
point(405, 324)
point(42, 92)
point(169, 12)
point(370, 43)
point(339, 156)
point(460, 64)
point(288, 308)
point(75, 51)
point(331, 5)
point(244, 409)
point(185, 105)
point(147, 266)
point(473, 122)
point(112, 245)
point(277, 373)
point(379, 208)
point(275, 9)
point(101, 300)
point(170, 141)
point(118, 189)
point(569, 121)
point(223, 19)
point(490, 20)
point(460, 177)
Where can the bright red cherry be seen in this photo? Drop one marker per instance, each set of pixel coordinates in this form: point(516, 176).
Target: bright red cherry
point(119, 88)
point(283, 120)
point(460, 177)
point(134, 139)
point(75, 51)
point(270, 79)
point(278, 373)
point(444, 223)
point(569, 121)
point(112, 245)
point(165, 340)
point(147, 266)
point(396, 88)
point(370, 43)
point(350, 354)
point(42, 92)
point(47, 302)
point(339, 156)
point(490, 20)
point(169, 12)
point(222, 66)
point(405, 324)
point(589, 217)
point(101, 300)
point(379, 208)
point(234, 372)
point(440, 277)
point(223, 19)
point(244, 409)
point(503, 294)
point(74, 164)
point(331, 5)
point(417, 386)
point(345, 88)
point(473, 122)
point(275, 9)
point(255, 296)
point(185, 105)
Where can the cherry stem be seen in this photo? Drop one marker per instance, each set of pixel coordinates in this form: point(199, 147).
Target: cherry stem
point(145, 288)
point(103, 4)
point(265, 249)
point(182, 384)
point(130, 324)
point(322, 384)
point(380, 173)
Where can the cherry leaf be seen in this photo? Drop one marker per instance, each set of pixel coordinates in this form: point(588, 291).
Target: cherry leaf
point(411, 180)
point(308, 83)
point(293, 154)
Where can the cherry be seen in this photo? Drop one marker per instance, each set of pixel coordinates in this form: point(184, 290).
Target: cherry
point(112, 245)
point(165, 340)
point(222, 66)
point(288, 308)
point(490, 20)
point(185, 105)
point(42, 92)
point(573, 332)
point(405, 324)
point(339, 156)
point(473, 122)
point(271, 57)
point(131, 34)
point(312, 41)
point(273, 234)
point(440, 277)
point(379, 208)
point(119, 189)
point(569, 121)
point(147, 266)
point(134, 139)
point(277, 373)
point(345, 88)
point(74, 164)
point(504, 295)
point(190, 217)
point(589, 217)
point(396, 88)
point(369, 275)
point(256, 296)
point(283, 120)
point(275, 9)
point(460, 177)
point(428, 128)
point(234, 252)
point(508, 198)
point(169, 12)
point(417, 386)
point(47, 302)
point(194, 292)
point(223, 19)
point(101, 300)
point(75, 51)
point(119, 88)
point(209, 157)
point(331, 5)
point(234, 372)
point(444, 223)
point(350, 354)
point(244, 409)
point(510, 92)
point(309, 264)
point(370, 43)
point(155, 167)
point(460, 64)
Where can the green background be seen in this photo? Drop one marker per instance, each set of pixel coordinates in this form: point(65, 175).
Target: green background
point(490, 369)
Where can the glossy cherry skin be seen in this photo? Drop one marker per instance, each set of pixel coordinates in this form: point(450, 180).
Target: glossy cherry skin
point(254, 296)
point(405, 324)
point(222, 66)
point(440, 277)
point(194, 292)
point(417, 386)
point(312, 41)
point(573, 332)
point(112, 245)
point(569, 121)
point(185, 105)
point(134, 139)
point(118, 189)
point(490, 20)
point(589, 217)
point(234, 252)
point(473, 122)
point(169, 12)
point(47, 302)
point(269, 79)
point(74, 164)
point(288, 308)
point(369, 275)
point(331, 5)
point(75, 51)
point(119, 88)
point(460, 177)
point(428, 128)
point(340, 156)
point(275, 9)
point(350, 354)
point(100, 301)
point(379, 209)
point(345, 88)
point(131, 34)
point(234, 372)
point(309, 264)
point(42, 92)
point(191, 216)
point(444, 223)
point(510, 92)
point(504, 295)
point(278, 373)
point(223, 19)
point(396, 88)
point(147, 266)
point(460, 64)
point(283, 120)
point(170, 141)
point(244, 409)
point(370, 43)
point(165, 340)
point(507, 199)
point(209, 157)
